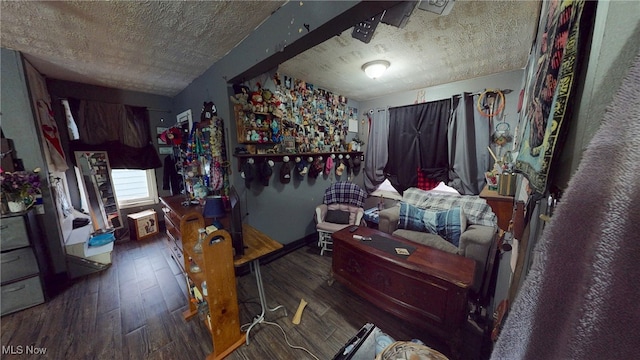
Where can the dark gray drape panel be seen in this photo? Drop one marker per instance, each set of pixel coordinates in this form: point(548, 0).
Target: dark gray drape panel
point(376, 154)
point(121, 130)
point(469, 135)
point(417, 139)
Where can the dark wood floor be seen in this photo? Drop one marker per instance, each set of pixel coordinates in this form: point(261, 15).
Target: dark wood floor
point(133, 310)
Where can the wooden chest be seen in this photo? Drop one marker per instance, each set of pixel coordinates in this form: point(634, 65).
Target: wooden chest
point(428, 287)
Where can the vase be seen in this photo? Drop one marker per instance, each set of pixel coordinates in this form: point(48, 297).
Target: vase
point(16, 206)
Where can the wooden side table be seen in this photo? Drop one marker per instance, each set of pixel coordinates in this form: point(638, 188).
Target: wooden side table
point(501, 205)
point(257, 245)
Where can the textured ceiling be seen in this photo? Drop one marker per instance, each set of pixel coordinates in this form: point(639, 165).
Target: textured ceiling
point(477, 38)
point(157, 47)
point(161, 47)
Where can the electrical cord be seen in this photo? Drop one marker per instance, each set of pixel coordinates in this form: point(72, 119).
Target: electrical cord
point(287, 340)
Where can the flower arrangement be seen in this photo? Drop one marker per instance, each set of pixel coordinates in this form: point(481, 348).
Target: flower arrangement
point(20, 185)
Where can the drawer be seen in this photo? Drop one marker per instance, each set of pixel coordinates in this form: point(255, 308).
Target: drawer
point(18, 263)
point(14, 233)
point(174, 235)
point(21, 295)
point(170, 216)
point(176, 254)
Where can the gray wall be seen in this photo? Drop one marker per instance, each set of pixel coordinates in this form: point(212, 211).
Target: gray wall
point(284, 212)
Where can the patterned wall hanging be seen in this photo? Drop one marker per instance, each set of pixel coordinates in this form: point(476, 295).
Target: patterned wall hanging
point(549, 95)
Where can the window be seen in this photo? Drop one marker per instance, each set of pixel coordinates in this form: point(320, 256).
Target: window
point(135, 187)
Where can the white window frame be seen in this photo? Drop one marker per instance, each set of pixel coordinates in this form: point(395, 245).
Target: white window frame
point(152, 189)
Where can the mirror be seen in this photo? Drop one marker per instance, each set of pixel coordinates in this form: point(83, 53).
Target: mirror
point(98, 189)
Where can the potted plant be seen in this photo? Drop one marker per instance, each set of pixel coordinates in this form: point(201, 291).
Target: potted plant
point(19, 188)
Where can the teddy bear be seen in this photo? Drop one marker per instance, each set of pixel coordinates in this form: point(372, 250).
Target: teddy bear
point(241, 97)
point(208, 111)
point(257, 102)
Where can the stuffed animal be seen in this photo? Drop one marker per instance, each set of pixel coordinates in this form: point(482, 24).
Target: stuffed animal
point(276, 137)
point(257, 101)
point(255, 136)
point(208, 111)
point(241, 97)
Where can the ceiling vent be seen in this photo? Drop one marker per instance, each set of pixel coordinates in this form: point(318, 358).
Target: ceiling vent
point(398, 15)
point(363, 31)
point(440, 7)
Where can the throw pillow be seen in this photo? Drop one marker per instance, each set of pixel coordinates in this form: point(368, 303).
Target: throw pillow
point(337, 217)
point(449, 224)
point(411, 218)
point(425, 182)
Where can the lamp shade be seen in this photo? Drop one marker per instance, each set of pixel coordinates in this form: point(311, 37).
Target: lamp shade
point(213, 207)
point(375, 69)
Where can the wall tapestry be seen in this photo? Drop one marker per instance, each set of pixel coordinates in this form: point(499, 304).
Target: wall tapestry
point(555, 65)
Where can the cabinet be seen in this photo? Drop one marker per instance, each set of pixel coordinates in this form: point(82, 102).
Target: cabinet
point(501, 205)
point(23, 264)
point(215, 303)
point(256, 127)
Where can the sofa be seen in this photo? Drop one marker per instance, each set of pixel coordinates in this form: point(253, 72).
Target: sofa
point(477, 225)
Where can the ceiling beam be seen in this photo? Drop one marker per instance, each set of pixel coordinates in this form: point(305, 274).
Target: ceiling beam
point(333, 27)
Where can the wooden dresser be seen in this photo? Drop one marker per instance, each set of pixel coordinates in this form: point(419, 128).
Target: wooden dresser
point(501, 205)
point(209, 273)
point(174, 211)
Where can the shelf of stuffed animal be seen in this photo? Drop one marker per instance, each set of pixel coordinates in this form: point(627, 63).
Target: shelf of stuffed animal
point(257, 127)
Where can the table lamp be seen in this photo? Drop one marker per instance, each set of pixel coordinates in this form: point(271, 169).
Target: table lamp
point(214, 209)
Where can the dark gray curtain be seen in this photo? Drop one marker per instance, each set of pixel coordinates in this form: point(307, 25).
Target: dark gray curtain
point(376, 154)
point(121, 130)
point(469, 136)
point(417, 140)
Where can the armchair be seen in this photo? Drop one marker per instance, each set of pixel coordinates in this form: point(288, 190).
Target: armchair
point(342, 206)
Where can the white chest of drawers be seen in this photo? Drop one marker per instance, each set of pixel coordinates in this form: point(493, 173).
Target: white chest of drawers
point(22, 262)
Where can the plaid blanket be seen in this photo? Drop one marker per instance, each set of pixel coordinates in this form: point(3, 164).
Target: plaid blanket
point(477, 211)
point(344, 192)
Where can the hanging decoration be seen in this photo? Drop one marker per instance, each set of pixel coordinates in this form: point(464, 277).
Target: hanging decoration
point(487, 103)
point(552, 77)
point(54, 152)
point(206, 166)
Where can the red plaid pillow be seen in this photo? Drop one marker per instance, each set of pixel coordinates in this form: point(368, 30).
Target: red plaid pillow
point(425, 183)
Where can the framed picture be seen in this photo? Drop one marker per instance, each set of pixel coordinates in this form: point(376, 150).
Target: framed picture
point(159, 131)
point(165, 150)
point(289, 144)
point(185, 117)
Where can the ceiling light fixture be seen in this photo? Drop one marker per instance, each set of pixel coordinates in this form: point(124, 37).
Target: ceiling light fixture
point(375, 69)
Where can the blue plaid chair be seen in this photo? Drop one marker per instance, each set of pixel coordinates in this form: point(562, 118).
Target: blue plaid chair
point(342, 206)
